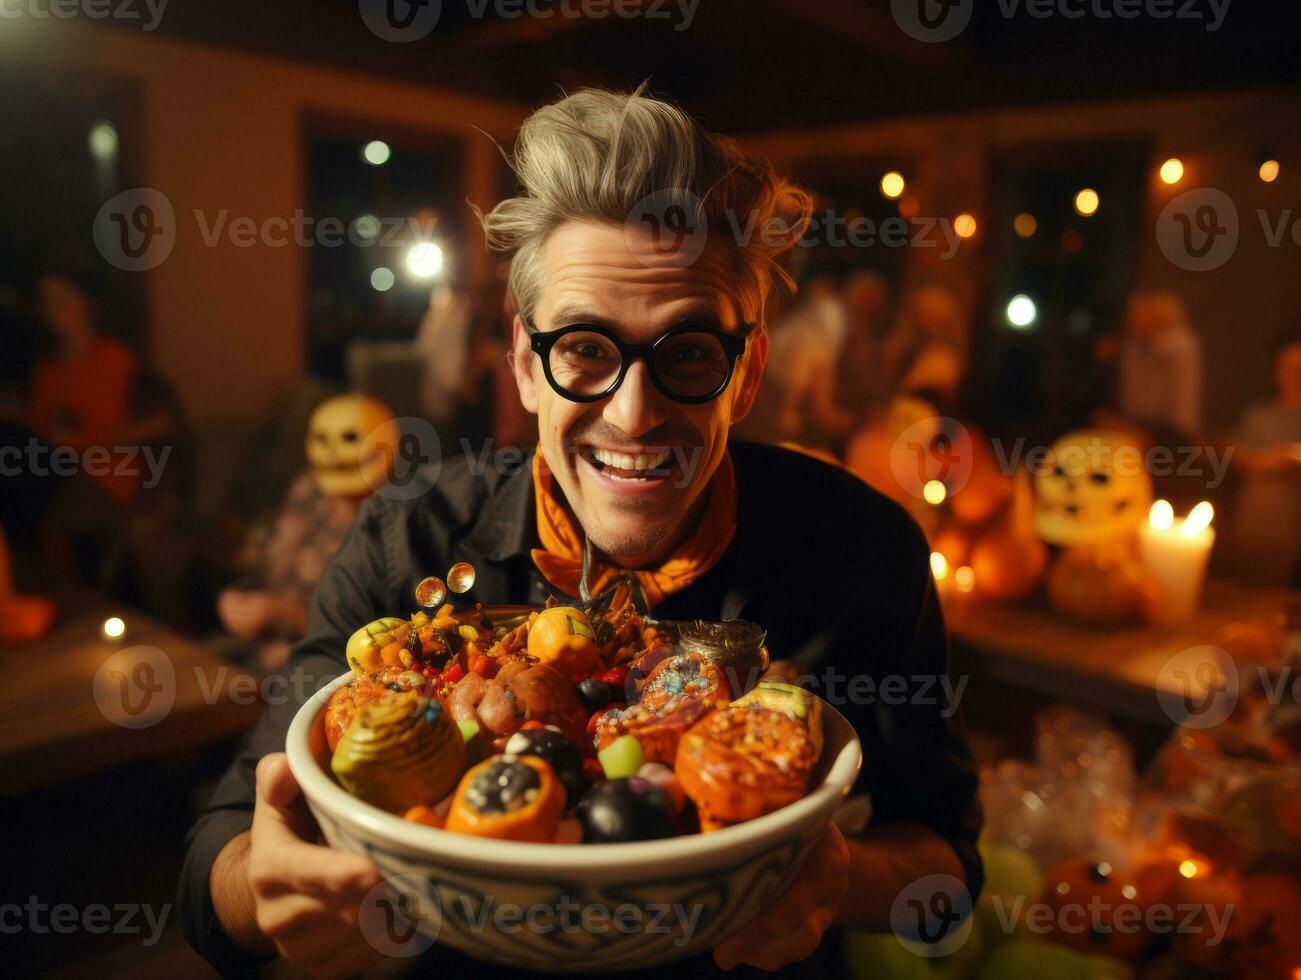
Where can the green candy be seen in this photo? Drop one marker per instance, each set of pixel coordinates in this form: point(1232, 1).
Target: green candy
point(402, 751)
point(622, 757)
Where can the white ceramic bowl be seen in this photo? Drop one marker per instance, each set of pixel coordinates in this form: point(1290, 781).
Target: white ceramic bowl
point(584, 907)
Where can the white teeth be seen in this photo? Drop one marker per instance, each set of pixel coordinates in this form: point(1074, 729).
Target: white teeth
point(642, 461)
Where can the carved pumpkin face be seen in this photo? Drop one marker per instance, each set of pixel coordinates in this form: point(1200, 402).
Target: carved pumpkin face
point(351, 440)
point(1093, 487)
point(1087, 900)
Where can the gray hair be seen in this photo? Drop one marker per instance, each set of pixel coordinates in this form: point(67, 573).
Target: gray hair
point(596, 155)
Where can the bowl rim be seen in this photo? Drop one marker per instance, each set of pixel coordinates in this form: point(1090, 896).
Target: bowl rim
point(320, 790)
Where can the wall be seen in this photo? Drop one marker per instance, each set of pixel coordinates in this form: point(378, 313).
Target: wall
point(222, 130)
point(1243, 310)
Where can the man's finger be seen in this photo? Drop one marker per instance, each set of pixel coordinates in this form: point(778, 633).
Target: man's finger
point(281, 860)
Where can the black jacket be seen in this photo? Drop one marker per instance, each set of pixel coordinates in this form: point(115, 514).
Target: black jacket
point(838, 574)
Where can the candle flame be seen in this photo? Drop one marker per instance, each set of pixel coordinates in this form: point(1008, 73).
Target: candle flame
point(1198, 520)
point(1161, 516)
point(939, 566)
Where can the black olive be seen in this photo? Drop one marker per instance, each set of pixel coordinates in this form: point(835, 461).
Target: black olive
point(621, 810)
point(557, 751)
point(594, 694)
point(450, 639)
point(504, 786)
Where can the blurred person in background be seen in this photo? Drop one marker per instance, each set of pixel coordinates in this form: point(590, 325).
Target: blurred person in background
point(866, 298)
point(1159, 369)
point(1267, 453)
point(92, 393)
point(799, 401)
point(926, 349)
point(265, 612)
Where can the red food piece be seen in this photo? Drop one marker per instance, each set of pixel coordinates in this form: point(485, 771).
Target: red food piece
point(678, 691)
point(616, 677)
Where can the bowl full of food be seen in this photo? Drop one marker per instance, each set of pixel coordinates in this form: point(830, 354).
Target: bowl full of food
point(568, 790)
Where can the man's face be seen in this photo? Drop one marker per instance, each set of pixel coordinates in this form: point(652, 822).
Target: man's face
point(633, 464)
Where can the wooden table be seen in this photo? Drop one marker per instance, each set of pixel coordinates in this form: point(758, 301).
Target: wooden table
point(1112, 670)
point(61, 708)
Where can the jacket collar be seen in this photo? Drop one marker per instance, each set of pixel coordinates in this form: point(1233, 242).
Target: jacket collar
point(506, 523)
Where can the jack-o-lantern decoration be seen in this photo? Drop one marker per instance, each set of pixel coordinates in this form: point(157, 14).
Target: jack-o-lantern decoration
point(878, 451)
point(1008, 560)
point(1105, 584)
point(1098, 909)
point(351, 443)
point(1092, 488)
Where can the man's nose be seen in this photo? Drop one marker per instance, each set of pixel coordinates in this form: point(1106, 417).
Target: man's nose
point(636, 407)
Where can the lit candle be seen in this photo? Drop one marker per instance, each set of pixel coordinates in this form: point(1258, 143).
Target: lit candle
point(1176, 553)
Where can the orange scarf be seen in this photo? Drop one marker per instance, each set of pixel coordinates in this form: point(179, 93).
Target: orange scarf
point(560, 559)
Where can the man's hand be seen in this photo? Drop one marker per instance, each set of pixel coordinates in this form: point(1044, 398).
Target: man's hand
point(246, 614)
point(791, 930)
point(303, 898)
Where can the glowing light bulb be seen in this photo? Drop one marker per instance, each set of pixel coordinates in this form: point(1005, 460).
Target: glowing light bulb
point(1022, 311)
point(1025, 224)
point(934, 492)
point(965, 225)
point(1087, 202)
point(382, 279)
point(1269, 171)
point(376, 153)
point(114, 627)
point(425, 259)
point(893, 184)
point(939, 566)
point(964, 578)
point(103, 141)
point(1172, 171)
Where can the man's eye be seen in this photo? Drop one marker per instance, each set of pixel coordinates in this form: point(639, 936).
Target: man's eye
point(588, 350)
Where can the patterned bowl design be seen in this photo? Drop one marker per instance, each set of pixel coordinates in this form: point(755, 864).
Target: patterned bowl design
point(598, 908)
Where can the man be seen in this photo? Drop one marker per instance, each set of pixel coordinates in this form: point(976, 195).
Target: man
point(636, 359)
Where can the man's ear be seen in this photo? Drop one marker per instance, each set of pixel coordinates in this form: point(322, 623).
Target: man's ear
point(751, 371)
point(521, 363)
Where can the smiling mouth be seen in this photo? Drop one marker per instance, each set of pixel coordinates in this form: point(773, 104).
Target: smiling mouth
point(629, 468)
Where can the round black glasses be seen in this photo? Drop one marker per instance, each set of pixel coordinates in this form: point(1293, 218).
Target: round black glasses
point(692, 363)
